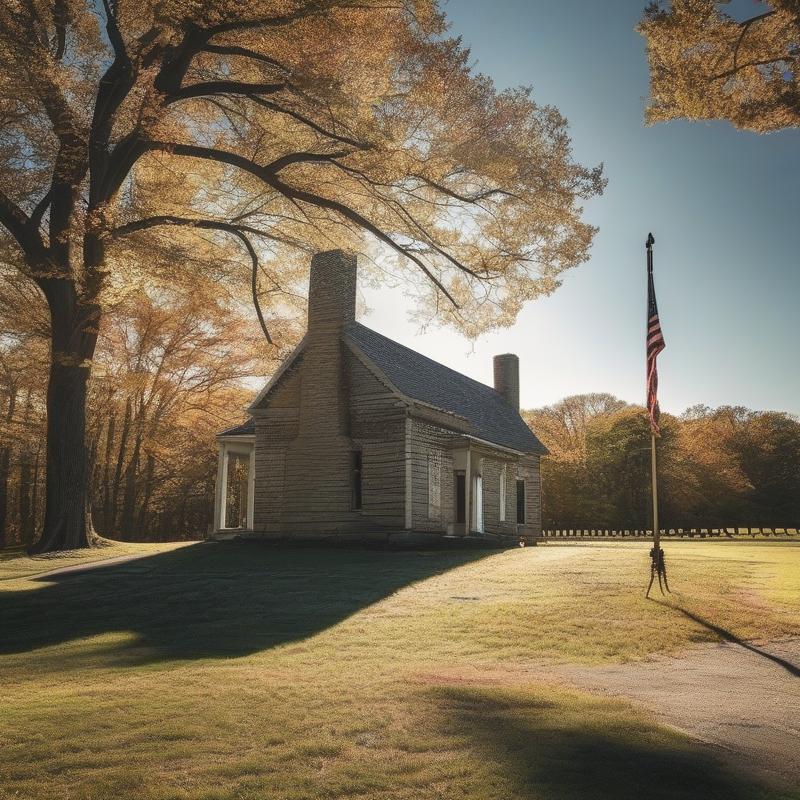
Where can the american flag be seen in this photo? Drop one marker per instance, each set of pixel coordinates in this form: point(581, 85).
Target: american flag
point(655, 342)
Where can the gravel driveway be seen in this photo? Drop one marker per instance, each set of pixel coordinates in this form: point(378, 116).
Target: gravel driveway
point(742, 698)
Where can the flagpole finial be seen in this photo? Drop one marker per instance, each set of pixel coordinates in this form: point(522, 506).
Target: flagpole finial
point(650, 241)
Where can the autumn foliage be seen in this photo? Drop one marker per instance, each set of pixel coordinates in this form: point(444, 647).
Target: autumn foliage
point(707, 64)
point(161, 145)
point(728, 466)
point(168, 375)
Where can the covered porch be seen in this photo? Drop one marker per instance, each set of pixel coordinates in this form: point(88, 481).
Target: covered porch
point(469, 456)
point(235, 488)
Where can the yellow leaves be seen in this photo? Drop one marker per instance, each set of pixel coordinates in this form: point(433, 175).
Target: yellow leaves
point(704, 64)
point(375, 127)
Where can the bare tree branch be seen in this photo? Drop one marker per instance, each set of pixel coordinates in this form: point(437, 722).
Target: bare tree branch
point(292, 193)
point(239, 231)
point(213, 88)
point(60, 19)
point(745, 26)
point(234, 50)
point(310, 123)
point(14, 219)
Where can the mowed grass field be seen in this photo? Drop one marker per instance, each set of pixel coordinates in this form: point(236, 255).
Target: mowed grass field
point(236, 670)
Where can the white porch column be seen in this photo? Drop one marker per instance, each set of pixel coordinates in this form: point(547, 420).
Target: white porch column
point(251, 488)
point(222, 487)
point(467, 492)
point(409, 476)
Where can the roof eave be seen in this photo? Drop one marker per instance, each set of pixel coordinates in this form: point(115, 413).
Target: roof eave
point(277, 375)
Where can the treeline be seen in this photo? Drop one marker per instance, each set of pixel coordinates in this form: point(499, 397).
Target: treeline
point(728, 466)
point(170, 372)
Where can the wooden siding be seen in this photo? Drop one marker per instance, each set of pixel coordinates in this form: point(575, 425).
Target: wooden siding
point(377, 427)
point(426, 438)
point(492, 467)
point(329, 404)
point(304, 466)
point(528, 470)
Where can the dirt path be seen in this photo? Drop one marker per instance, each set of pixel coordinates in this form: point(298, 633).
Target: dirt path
point(742, 699)
point(85, 566)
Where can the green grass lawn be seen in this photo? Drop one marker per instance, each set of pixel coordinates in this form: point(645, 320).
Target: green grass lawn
point(14, 563)
point(237, 670)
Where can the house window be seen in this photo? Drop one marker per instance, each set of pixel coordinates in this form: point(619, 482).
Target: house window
point(503, 493)
point(356, 480)
point(461, 497)
point(434, 485)
point(520, 502)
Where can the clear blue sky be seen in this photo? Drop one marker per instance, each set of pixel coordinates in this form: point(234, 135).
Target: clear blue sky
point(723, 205)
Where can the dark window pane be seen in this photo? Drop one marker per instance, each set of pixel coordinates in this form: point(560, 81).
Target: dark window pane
point(520, 502)
point(461, 497)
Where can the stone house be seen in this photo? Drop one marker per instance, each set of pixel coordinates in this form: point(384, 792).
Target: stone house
point(358, 436)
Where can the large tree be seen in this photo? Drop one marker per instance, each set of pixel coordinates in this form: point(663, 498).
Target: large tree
point(276, 124)
point(167, 374)
point(707, 64)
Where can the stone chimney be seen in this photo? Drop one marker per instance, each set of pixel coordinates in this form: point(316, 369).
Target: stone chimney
point(331, 292)
point(331, 306)
point(318, 459)
point(506, 378)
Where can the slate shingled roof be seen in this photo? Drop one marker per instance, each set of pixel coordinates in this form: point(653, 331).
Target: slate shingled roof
point(245, 429)
point(420, 378)
point(425, 380)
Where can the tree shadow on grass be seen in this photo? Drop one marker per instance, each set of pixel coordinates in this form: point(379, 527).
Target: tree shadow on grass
point(554, 745)
point(731, 638)
point(214, 599)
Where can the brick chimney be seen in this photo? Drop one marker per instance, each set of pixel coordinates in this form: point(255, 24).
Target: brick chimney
point(318, 460)
point(506, 378)
point(331, 292)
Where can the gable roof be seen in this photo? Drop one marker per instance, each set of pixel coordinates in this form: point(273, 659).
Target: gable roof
point(425, 380)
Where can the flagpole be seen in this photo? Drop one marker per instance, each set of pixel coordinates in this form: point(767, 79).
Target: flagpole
point(653, 463)
point(655, 344)
point(656, 532)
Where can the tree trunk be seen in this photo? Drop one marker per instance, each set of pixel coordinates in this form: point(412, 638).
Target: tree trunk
point(94, 468)
point(73, 337)
point(28, 531)
point(128, 523)
point(123, 442)
point(108, 522)
point(5, 468)
point(148, 491)
point(66, 523)
point(26, 509)
point(5, 522)
point(25, 476)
